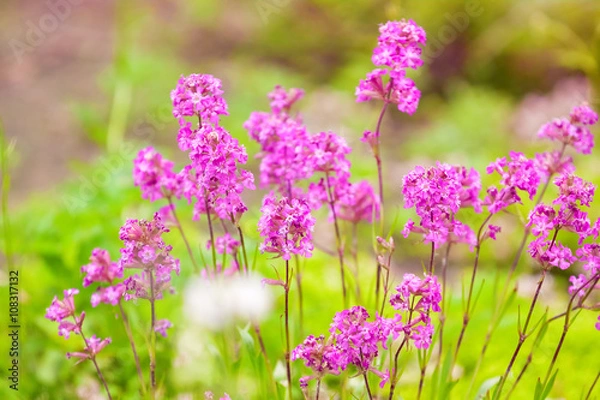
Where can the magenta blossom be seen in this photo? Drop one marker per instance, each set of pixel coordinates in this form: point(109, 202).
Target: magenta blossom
point(93, 346)
point(573, 131)
point(286, 225)
point(101, 268)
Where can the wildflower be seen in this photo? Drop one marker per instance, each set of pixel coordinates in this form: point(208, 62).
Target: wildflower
point(224, 244)
point(199, 95)
point(93, 346)
point(145, 249)
point(161, 326)
point(398, 47)
point(437, 194)
point(101, 268)
point(154, 175)
point(286, 225)
point(360, 204)
point(573, 131)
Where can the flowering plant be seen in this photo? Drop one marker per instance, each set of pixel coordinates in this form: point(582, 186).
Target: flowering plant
point(384, 324)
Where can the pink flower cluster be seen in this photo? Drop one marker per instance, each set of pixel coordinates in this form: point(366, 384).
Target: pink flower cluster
point(545, 221)
point(437, 193)
point(360, 203)
point(517, 173)
point(286, 225)
point(145, 249)
point(284, 142)
point(398, 48)
point(573, 131)
point(154, 175)
point(419, 297)
point(199, 95)
point(354, 340)
point(102, 270)
point(60, 311)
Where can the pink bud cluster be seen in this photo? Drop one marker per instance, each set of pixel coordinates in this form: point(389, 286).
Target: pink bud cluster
point(286, 225)
point(398, 48)
point(517, 173)
point(437, 193)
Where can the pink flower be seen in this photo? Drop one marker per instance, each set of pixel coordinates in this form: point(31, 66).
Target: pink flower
point(286, 225)
point(154, 175)
point(573, 131)
point(109, 295)
point(93, 346)
point(61, 309)
point(360, 204)
point(437, 193)
point(224, 244)
point(145, 249)
point(199, 95)
point(100, 268)
point(162, 325)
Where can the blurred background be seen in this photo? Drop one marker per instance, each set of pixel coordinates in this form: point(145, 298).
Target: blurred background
point(85, 84)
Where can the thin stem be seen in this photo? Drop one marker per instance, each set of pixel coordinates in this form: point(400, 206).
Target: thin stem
point(355, 258)
point(212, 234)
point(318, 388)
point(386, 287)
point(376, 151)
point(395, 369)
point(300, 296)
point(338, 238)
point(263, 350)
point(591, 282)
point(432, 259)
point(589, 393)
point(422, 377)
point(152, 337)
point(287, 328)
point(367, 386)
point(466, 314)
point(93, 358)
point(134, 351)
point(187, 244)
point(522, 335)
point(443, 313)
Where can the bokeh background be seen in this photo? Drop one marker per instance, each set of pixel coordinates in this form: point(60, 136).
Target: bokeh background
point(85, 84)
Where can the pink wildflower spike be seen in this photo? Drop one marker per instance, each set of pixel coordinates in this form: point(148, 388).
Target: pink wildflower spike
point(145, 249)
point(109, 295)
point(572, 131)
point(282, 100)
point(398, 48)
point(286, 226)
